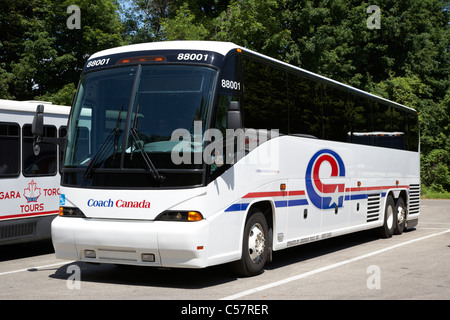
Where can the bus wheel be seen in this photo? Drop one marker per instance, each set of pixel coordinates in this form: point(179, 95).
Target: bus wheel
point(400, 212)
point(387, 230)
point(254, 247)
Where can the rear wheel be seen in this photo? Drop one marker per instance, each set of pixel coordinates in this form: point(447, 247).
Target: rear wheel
point(400, 216)
point(254, 247)
point(387, 230)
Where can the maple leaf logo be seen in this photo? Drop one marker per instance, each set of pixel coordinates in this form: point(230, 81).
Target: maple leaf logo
point(32, 193)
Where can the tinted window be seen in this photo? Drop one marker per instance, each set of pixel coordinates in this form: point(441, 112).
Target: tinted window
point(45, 162)
point(265, 97)
point(412, 129)
point(9, 149)
point(361, 120)
point(305, 107)
point(336, 114)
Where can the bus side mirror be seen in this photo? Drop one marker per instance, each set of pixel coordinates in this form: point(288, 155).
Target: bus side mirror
point(234, 119)
point(37, 130)
point(37, 127)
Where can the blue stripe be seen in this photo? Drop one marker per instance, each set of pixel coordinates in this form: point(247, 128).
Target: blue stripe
point(234, 207)
point(278, 204)
point(237, 207)
point(281, 203)
point(299, 202)
point(356, 197)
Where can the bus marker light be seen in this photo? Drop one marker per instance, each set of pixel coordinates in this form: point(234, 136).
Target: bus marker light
point(148, 257)
point(199, 247)
point(142, 59)
point(90, 254)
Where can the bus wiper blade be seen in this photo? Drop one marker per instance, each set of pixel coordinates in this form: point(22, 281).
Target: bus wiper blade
point(147, 160)
point(114, 132)
point(134, 134)
point(94, 161)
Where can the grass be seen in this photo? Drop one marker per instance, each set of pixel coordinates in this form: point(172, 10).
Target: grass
point(428, 193)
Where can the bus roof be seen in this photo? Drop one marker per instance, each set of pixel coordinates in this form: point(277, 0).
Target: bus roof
point(216, 46)
point(224, 48)
point(30, 106)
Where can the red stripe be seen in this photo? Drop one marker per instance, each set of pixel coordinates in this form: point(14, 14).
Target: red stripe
point(297, 193)
point(265, 194)
point(274, 194)
point(373, 188)
point(29, 214)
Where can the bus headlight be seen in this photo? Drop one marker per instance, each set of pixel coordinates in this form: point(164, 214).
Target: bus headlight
point(180, 216)
point(71, 212)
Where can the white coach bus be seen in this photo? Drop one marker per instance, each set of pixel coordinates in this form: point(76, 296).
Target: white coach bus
point(201, 153)
point(29, 183)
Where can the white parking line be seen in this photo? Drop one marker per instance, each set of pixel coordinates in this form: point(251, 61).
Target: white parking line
point(35, 268)
point(329, 267)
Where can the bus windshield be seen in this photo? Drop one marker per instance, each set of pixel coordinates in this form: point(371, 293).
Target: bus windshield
point(123, 119)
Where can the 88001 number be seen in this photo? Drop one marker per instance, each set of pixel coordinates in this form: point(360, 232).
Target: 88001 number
point(192, 57)
point(230, 84)
point(98, 62)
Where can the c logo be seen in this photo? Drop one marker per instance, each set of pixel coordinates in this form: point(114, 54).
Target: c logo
point(325, 196)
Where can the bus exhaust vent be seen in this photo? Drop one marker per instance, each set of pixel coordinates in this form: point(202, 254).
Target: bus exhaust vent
point(373, 207)
point(414, 198)
point(17, 230)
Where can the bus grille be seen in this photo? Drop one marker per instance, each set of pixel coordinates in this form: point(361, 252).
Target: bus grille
point(414, 198)
point(17, 230)
point(373, 207)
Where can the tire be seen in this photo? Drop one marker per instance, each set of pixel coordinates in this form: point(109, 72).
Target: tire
point(387, 230)
point(255, 246)
point(400, 221)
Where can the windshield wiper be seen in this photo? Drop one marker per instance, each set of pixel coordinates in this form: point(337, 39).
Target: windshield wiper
point(135, 135)
point(115, 132)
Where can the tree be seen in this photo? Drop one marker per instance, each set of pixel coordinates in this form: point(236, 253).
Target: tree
point(406, 60)
point(40, 55)
point(182, 27)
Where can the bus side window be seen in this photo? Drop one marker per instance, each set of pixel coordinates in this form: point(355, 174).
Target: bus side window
point(45, 163)
point(9, 149)
point(412, 128)
point(361, 121)
point(265, 97)
point(62, 132)
point(305, 109)
point(337, 111)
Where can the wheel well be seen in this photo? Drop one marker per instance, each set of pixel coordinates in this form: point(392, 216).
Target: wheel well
point(404, 196)
point(266, 207)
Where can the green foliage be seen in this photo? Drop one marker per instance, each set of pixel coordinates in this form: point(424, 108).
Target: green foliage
point(63, 97)
point(40, 54)
point(182, 27)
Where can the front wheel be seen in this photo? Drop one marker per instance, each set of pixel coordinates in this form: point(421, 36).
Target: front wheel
point(254, 247)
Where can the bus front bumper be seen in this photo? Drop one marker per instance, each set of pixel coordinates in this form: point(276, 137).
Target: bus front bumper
point(149, 243)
